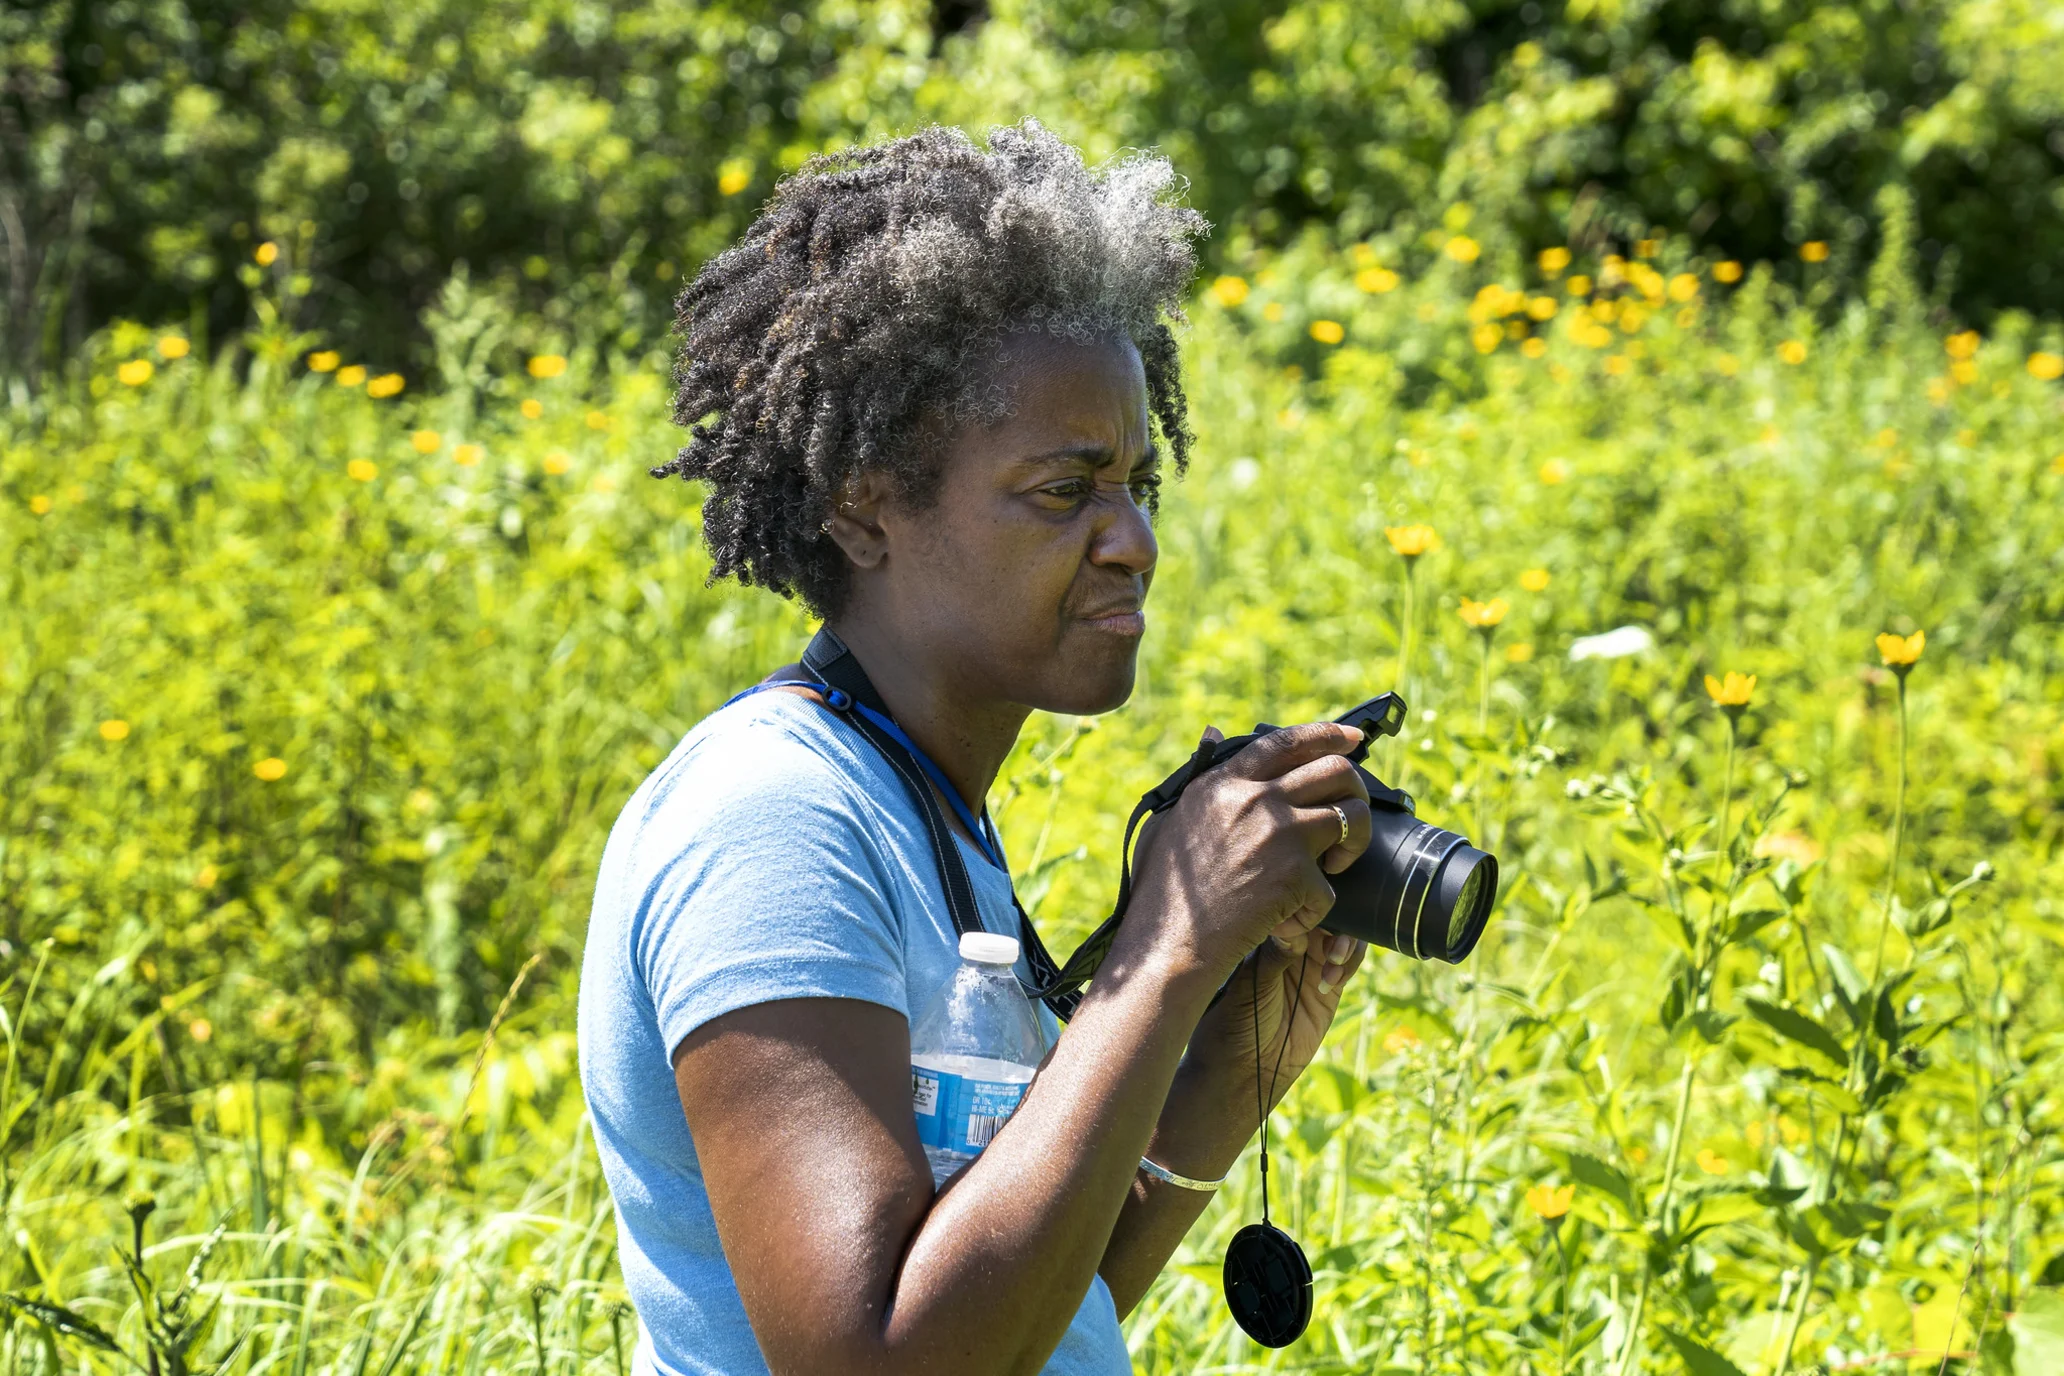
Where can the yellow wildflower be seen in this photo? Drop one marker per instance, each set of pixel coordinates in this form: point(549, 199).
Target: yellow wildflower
point(362, 470)
point(1400, 1038)
point(1463, 249)
point(40, 504)
point(1549, 1202)
point(114, 729)
point(1710, 1161)
point(1580, 285)
point(200, 1029)
point(1555, 472)
point(1647, 248)
point(173, 346)
point(1727, 365)
point(1272, 312)
point(271, 769)
point(1229, 291)
point(1542, 308)
point(1962, 344)
point(1485, 337)
point(426, 441)
point(531, 408)
point(266, 254)
point(1376, 281)
point(556, 463)
point(2057, 465)
point(547, 365)
point(1795, 846)
point(1814, 251)
point(351, 376)
point(385, 385)
point(1554, 260)
point(205, 877)
point(734, 176)
point(1534, 580)
point(1327, 331)
point(2046, 366)
point(598, 420)
point(1534, 348)
point(466, 455)
point(324, 362)
point(1733, 691)
point(1483, 616)
point(136, 372)
point(1411, 541)
point(1964, 371)
point(1901, 652)
point(1519, 652)
point(1727, 271)
point(1792, 351)
point(1616, 365)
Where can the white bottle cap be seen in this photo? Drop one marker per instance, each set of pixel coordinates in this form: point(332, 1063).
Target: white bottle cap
point(987, 948)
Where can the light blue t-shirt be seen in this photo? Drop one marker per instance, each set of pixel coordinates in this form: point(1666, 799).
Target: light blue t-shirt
point(774, 855)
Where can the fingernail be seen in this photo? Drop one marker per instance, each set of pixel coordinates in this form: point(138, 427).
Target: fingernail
point(1325, 986)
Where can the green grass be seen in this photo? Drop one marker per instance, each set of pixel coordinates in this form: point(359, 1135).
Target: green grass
point(264, 1001)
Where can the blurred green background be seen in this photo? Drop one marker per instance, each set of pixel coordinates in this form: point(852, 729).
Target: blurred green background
point(578, 157)
point(338, 620)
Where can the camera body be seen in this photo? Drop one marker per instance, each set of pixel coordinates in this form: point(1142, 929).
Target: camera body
point(1418, 890)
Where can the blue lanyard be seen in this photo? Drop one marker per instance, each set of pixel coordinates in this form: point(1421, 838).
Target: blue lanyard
point(838, 700)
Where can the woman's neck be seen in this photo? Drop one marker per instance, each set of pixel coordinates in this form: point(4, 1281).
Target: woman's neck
point(966, 733)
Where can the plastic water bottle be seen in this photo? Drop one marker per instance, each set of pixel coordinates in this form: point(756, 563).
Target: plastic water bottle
point(972, 1053)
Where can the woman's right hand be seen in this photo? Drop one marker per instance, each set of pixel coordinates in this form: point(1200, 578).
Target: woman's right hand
point(1244, 854)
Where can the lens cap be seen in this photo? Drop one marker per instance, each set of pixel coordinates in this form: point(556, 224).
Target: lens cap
point(1268, 1284)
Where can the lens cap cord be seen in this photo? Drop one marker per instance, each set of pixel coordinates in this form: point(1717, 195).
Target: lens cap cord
point(1268, 1282)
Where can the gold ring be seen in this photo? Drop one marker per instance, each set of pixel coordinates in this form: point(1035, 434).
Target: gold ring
point(1341, 813)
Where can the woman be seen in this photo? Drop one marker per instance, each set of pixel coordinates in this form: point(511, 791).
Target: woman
point(932, 392)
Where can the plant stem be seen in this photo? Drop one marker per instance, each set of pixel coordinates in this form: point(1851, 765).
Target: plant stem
point(1562, 1343)
point(1400, 754)
point(1898, 837)
point(1662, 1214)
point(1726, 799)
point(1483, 728)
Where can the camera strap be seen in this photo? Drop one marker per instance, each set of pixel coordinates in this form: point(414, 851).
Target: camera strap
point(851, 695)
point(837, 676)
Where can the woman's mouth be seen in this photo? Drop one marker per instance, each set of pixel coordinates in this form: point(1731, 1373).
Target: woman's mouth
point(1129, 621)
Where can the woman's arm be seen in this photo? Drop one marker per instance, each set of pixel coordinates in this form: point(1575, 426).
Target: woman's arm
point(801, 1113)
point(1213, 1110)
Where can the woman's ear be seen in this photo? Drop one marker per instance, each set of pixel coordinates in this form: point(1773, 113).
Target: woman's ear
point(855, 522)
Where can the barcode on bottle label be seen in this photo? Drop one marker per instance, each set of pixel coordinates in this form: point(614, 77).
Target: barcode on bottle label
point(958, 1113)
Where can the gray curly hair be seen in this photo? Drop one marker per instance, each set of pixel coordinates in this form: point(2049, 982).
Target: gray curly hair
point(863, 304)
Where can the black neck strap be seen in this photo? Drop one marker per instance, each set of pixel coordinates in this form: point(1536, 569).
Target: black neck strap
point(1060, 986)
point(828, 660)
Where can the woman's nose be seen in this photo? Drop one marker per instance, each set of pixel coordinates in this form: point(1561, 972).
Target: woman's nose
point(1125, 538)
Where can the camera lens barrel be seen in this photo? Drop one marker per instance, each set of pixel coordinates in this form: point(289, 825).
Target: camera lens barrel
point(1418, 890)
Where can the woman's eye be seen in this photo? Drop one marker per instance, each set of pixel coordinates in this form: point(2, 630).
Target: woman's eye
point(1073, 490)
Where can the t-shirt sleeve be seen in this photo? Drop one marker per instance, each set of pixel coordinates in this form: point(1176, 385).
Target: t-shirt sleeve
point(760, 881)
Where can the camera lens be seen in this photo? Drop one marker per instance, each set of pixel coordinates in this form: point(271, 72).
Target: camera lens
point(1418, 889)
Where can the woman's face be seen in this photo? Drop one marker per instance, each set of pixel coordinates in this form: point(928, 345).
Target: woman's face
point(1026, 581)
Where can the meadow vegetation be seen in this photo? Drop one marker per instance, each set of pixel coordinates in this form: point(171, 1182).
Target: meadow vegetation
point(321, 693)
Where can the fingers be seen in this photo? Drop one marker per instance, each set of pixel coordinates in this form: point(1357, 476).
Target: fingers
point(1328, 779)
point(1279, 752)
point(1344, 956)
point(1334, 845)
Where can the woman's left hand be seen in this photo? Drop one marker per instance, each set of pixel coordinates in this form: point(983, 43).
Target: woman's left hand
point(1241, 1041)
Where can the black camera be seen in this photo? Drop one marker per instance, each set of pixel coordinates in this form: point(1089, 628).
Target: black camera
point(1417, 890)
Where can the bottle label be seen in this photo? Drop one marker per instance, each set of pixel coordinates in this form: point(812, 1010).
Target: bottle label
point(958, 1112)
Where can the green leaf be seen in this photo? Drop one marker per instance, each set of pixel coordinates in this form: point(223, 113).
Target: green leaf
point(64, 1322)
point(2038, 1331)
point(1594, 1174)
point(1699, 1359)
point(1849, 985)
point(1790, 1022)
point(1747, 924)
